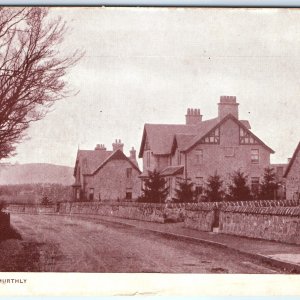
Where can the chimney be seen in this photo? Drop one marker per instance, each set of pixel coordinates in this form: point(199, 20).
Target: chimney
point(132, 156)
point(193, 116)
point(100, 147)
point(117, 145)
point(228, 106)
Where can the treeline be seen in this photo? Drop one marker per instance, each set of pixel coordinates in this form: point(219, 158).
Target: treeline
point(215, 189)
point(35, 193)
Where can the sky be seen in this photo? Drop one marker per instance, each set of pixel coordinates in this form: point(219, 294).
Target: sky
point(148, 65)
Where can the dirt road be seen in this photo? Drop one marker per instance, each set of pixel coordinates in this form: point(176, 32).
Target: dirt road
point(61, 244)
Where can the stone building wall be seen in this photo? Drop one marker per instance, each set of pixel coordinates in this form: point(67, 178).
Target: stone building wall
point(111, 182)
point(227, 157)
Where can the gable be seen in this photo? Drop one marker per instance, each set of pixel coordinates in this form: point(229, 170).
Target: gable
point(159, 137)
point(90, 160)
point(246, 137)
point(295, 158)
point(117, 155)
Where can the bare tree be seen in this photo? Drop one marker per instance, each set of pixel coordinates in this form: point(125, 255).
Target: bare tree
point(31, 70)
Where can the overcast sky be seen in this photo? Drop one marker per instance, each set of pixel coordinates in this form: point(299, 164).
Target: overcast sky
point(148, 65)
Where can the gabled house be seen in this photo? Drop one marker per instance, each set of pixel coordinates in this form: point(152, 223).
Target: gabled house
point(106, 175)
point(199, 148)
point(292, 176)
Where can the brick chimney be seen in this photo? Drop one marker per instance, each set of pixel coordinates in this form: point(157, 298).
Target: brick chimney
point(193, 116)
point(117, 145)
point(100, 147)
point(227, 106)
point(132, 155)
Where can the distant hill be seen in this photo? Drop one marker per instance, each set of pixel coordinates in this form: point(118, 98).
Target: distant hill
point(35, 173)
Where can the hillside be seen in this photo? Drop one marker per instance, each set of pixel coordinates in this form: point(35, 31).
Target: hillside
point(35, 173)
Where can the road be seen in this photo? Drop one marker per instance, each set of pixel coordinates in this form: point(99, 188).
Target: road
point(61, 244)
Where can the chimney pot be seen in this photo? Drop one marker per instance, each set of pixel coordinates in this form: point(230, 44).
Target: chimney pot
point(193, 116)
point(228, 105)
point(117, 145)
point(100, 147)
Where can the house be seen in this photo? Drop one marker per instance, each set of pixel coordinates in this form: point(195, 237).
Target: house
point(292, 176)
point(199, 148)
point(106, 175)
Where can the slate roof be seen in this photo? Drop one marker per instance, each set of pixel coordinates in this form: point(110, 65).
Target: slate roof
point(182, 140)
point(291, 162)
point(161, 137)
point(91, 161)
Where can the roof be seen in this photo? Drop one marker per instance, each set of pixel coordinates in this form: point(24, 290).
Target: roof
point(161, 137)
point(291, 162)
point(172, 170)
point(213, 125)
point(91, 161)
point(118, 154)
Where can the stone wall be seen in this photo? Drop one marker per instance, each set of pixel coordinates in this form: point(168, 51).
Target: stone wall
point(32, 209)
point(269, 223)
point(128, 210)
point(199, 216)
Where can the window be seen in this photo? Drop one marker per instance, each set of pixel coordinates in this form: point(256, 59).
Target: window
point(229, 151)
point(129, 172)
point(128, 195)
point(77, 194)
point(255, 156)
point(91, 194)
point(148, 153)
point(255, 185)
point(212, 138)
point(246, 138)
point(199, 157)
point(199, 185)
point(178, 158)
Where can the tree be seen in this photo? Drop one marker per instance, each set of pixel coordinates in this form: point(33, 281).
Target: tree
point(185, 192)
point(269, 185)
point(45, 200)
point(214, 188)
point(31, 70)
point(155, 189)
point(238, 189)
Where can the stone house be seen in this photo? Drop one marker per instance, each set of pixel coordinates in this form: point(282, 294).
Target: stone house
point(292, 176)
point(200, 148)
point(106, 175)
